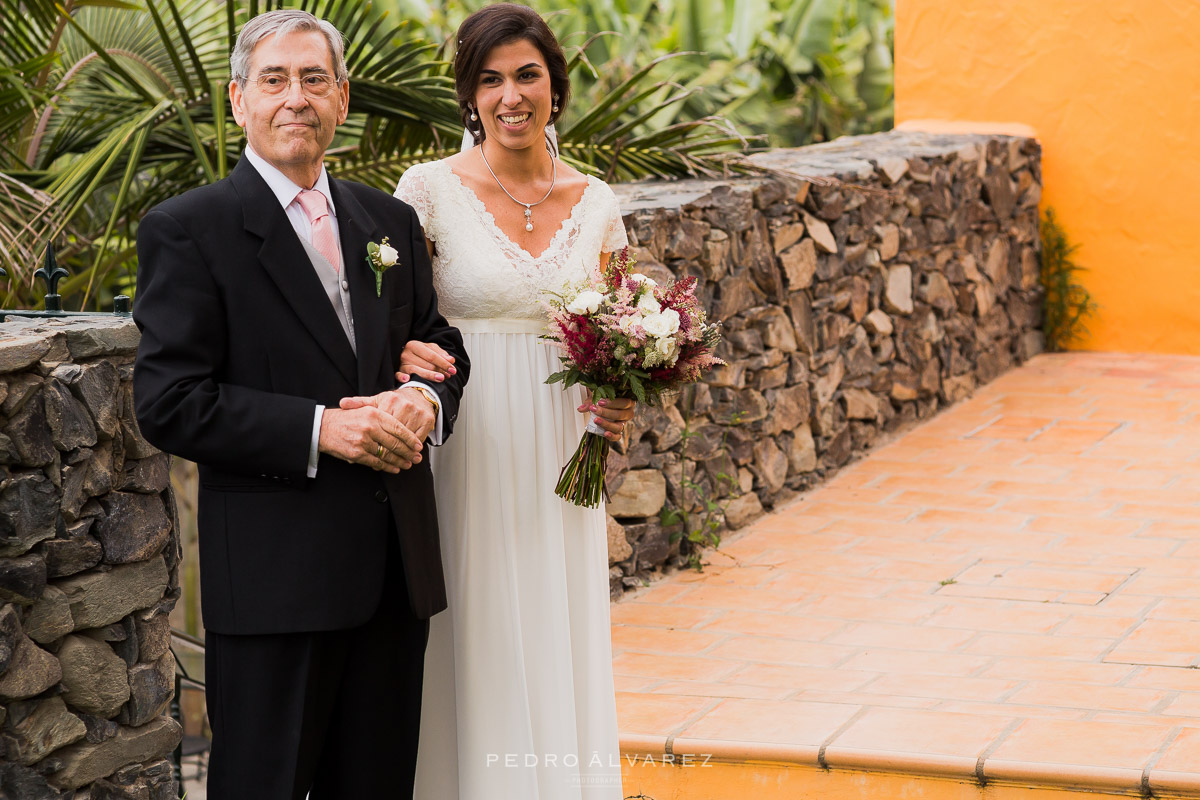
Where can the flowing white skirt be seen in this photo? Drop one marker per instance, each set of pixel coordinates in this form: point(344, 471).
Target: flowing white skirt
point(518, 700)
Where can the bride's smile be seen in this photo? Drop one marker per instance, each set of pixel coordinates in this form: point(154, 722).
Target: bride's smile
point(514, 121)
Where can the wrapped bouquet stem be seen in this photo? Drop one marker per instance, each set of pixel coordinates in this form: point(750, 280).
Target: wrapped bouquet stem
point(582, 478)
point(623, 335)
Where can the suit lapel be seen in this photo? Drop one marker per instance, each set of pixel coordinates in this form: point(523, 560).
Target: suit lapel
point(285, 260)
point(355, 229)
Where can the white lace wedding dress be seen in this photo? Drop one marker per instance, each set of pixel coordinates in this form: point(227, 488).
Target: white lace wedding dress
point(518, 701)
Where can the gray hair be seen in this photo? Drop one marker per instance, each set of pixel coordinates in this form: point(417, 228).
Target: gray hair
point(281, 23)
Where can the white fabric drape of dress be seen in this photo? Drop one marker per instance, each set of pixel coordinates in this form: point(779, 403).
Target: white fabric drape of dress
point(518, 700)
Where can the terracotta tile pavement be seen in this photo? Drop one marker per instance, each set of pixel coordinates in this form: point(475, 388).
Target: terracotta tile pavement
point(1016, 581)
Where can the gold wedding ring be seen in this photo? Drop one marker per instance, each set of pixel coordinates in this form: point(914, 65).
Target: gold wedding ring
point(379, 452)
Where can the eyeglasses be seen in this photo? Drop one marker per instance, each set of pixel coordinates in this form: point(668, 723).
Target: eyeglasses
point(313, 85)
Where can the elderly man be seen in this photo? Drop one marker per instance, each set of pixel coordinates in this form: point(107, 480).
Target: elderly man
point(260, 316)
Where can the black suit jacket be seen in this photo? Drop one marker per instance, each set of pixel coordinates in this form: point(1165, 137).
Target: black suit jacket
point(239, 344)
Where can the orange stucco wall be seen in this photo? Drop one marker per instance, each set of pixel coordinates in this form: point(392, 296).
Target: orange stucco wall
point(1112, 88)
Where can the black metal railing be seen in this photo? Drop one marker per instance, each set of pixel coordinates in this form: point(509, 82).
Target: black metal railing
point(51, 273)
point(189, 676)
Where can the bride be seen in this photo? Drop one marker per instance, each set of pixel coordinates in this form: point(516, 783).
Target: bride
point(518, 701)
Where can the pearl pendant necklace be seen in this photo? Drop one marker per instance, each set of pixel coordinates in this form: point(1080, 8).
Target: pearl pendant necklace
point(528, 206)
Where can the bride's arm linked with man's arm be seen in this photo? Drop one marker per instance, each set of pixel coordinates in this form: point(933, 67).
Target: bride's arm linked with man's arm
point(425, 403)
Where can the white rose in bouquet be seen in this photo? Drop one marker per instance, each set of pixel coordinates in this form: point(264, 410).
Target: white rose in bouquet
point(587, 302)
point(648, 305)
point(663, 323)
point(627, 322)
point(668, 348)
point(640, 278)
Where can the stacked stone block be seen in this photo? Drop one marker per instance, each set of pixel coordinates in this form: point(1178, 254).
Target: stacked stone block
point(89, 558)
point(862, 285)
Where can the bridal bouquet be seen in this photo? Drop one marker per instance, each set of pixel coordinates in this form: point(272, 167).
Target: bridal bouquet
point(623, 335)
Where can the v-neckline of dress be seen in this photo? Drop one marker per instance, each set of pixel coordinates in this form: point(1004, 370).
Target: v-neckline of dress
point(482, 208)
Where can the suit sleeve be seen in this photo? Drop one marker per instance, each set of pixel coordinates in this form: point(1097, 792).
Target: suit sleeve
point(183, 404)
point(430, 326)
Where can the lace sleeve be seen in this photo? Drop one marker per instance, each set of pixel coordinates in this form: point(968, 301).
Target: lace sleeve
point(413, 188)
point(615, 237)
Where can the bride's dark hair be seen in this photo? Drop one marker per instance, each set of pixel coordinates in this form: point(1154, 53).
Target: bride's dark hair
point(495, 25)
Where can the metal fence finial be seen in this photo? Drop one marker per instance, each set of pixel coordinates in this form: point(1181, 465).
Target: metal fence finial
point(52, 273)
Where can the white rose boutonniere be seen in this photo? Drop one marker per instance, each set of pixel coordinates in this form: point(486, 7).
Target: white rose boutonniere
point(380, 258)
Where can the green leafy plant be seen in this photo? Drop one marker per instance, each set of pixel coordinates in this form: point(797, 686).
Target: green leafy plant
point(701, 519)
point(109, 107)
point(790, 71)
point(1068, 304)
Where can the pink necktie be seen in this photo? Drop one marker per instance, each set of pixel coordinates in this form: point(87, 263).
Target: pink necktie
point(323, 239)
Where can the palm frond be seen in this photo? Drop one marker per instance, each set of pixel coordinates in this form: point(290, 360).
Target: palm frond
point(27, 218)
point(614, 139)
point(109, 107)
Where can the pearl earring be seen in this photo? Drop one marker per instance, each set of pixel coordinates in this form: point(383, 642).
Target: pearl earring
point(473, 115)
point(555, 104)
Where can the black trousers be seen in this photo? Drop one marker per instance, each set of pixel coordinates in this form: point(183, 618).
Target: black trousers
point(331, 714)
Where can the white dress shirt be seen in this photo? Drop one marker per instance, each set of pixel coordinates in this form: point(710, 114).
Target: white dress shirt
point(286, 192)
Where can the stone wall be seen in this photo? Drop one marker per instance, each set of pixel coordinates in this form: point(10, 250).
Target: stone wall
point(862, 285)
point(88, 570)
